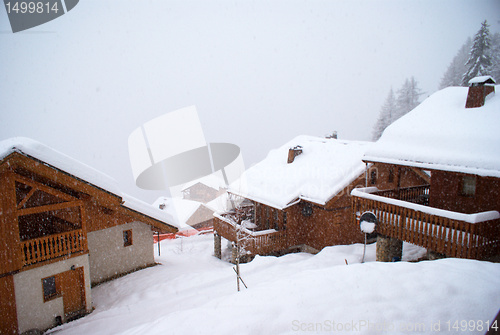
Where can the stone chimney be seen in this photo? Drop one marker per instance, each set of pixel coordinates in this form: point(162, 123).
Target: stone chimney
point(479, 88)
point(294, 152)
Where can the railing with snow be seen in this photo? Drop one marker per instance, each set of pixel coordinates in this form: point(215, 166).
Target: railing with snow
point(256, 242)
point(473, 236)
point(414, 194)
point(52, 246)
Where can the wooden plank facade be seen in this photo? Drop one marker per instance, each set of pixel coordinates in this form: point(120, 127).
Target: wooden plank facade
point(448, 191)
point(46, 216)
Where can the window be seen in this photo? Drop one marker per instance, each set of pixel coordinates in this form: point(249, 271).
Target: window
point(49, 288)
point(469, 185)
point(391, 175)
point(127, 238)
point(276, 220)
point(373, 177)
point(284, 220)
point(307, 209)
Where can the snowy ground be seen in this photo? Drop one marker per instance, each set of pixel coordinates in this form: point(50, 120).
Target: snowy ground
point(192, 292)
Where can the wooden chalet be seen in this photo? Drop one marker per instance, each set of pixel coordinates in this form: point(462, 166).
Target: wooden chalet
point(63, 228)
point(204, 190)
point(298, 198)
point(454, 137)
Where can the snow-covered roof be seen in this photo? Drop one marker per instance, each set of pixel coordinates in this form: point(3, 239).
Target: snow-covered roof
point(29, 147)
point(323, 169)
point(441, 134)
point(481, 79)
point(57, 159)
point(213, 181)
point(177, 207)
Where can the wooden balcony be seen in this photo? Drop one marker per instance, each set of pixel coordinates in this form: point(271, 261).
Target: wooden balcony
point(473, 236)
point(53, 246)
point(414, 194)
point(255, 242)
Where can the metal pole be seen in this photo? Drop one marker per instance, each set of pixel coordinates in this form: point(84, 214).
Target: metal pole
point(364, 250)
point(238, 266)
point(158, 235)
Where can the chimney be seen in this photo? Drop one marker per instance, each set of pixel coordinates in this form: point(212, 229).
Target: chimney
point(479, 88)
point(294, 152)
point(333, 135)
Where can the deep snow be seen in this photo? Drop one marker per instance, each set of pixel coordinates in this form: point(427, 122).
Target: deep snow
point(193, 292)
point(442, 134)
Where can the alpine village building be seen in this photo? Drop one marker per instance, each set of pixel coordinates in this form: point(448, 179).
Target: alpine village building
point(298, 198)
point(454, 136)
point(64, 227)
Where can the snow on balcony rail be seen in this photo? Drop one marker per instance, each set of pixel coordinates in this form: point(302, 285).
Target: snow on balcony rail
point(243, 229)
point(366, 193)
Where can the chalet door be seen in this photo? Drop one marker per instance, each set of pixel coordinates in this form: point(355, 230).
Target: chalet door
point(73, 291)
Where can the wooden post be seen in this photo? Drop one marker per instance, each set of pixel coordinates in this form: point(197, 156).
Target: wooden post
point(217, 246)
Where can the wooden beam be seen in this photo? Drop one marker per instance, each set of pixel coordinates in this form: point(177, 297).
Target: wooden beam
point(10, 257)
point(48, 208)
point(22, 202)
point(60, 177)
point(44, 188)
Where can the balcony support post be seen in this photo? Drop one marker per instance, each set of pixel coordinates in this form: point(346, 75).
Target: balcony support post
point(389, 249)
point(217, 246)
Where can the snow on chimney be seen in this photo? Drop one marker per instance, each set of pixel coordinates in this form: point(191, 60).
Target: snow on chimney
point(479, 88)
point(294, 152)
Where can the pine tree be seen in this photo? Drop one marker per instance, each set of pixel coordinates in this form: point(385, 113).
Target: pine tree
point(386, 116)
point(394, 108)
point(480, 59)
point(494, 70)
point(455, 71)
point(408, 97)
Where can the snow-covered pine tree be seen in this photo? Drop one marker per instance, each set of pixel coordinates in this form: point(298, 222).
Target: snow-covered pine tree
point(455, 71)
point(394, 108)
point(479, 60)
point(408, 97)
point(386, 116)
point(494, 70)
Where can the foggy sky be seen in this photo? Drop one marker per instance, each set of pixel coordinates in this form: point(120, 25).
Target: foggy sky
point(259, 72)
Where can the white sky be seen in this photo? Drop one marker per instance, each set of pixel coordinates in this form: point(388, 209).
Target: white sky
point(259, 72)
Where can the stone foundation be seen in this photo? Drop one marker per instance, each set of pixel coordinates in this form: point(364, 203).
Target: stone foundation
point(432, 255)
point(389, 249)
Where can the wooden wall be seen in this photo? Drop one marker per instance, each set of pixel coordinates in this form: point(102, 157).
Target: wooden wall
point(332, 223)
point(390, 176)
point(10, 256)
point(446, 193)
point(8, 315)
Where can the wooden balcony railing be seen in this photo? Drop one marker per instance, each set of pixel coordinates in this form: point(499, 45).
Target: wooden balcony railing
point(473, 236)
point(257, 243)
point(52, 246)
point(414, 194)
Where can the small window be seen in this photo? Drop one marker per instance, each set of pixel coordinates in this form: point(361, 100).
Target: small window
point(469, 186)
point(391, 175)
point(284, 220)
point(127, 238)
point(276, 220)
point(49, 288)
point(373, 177)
